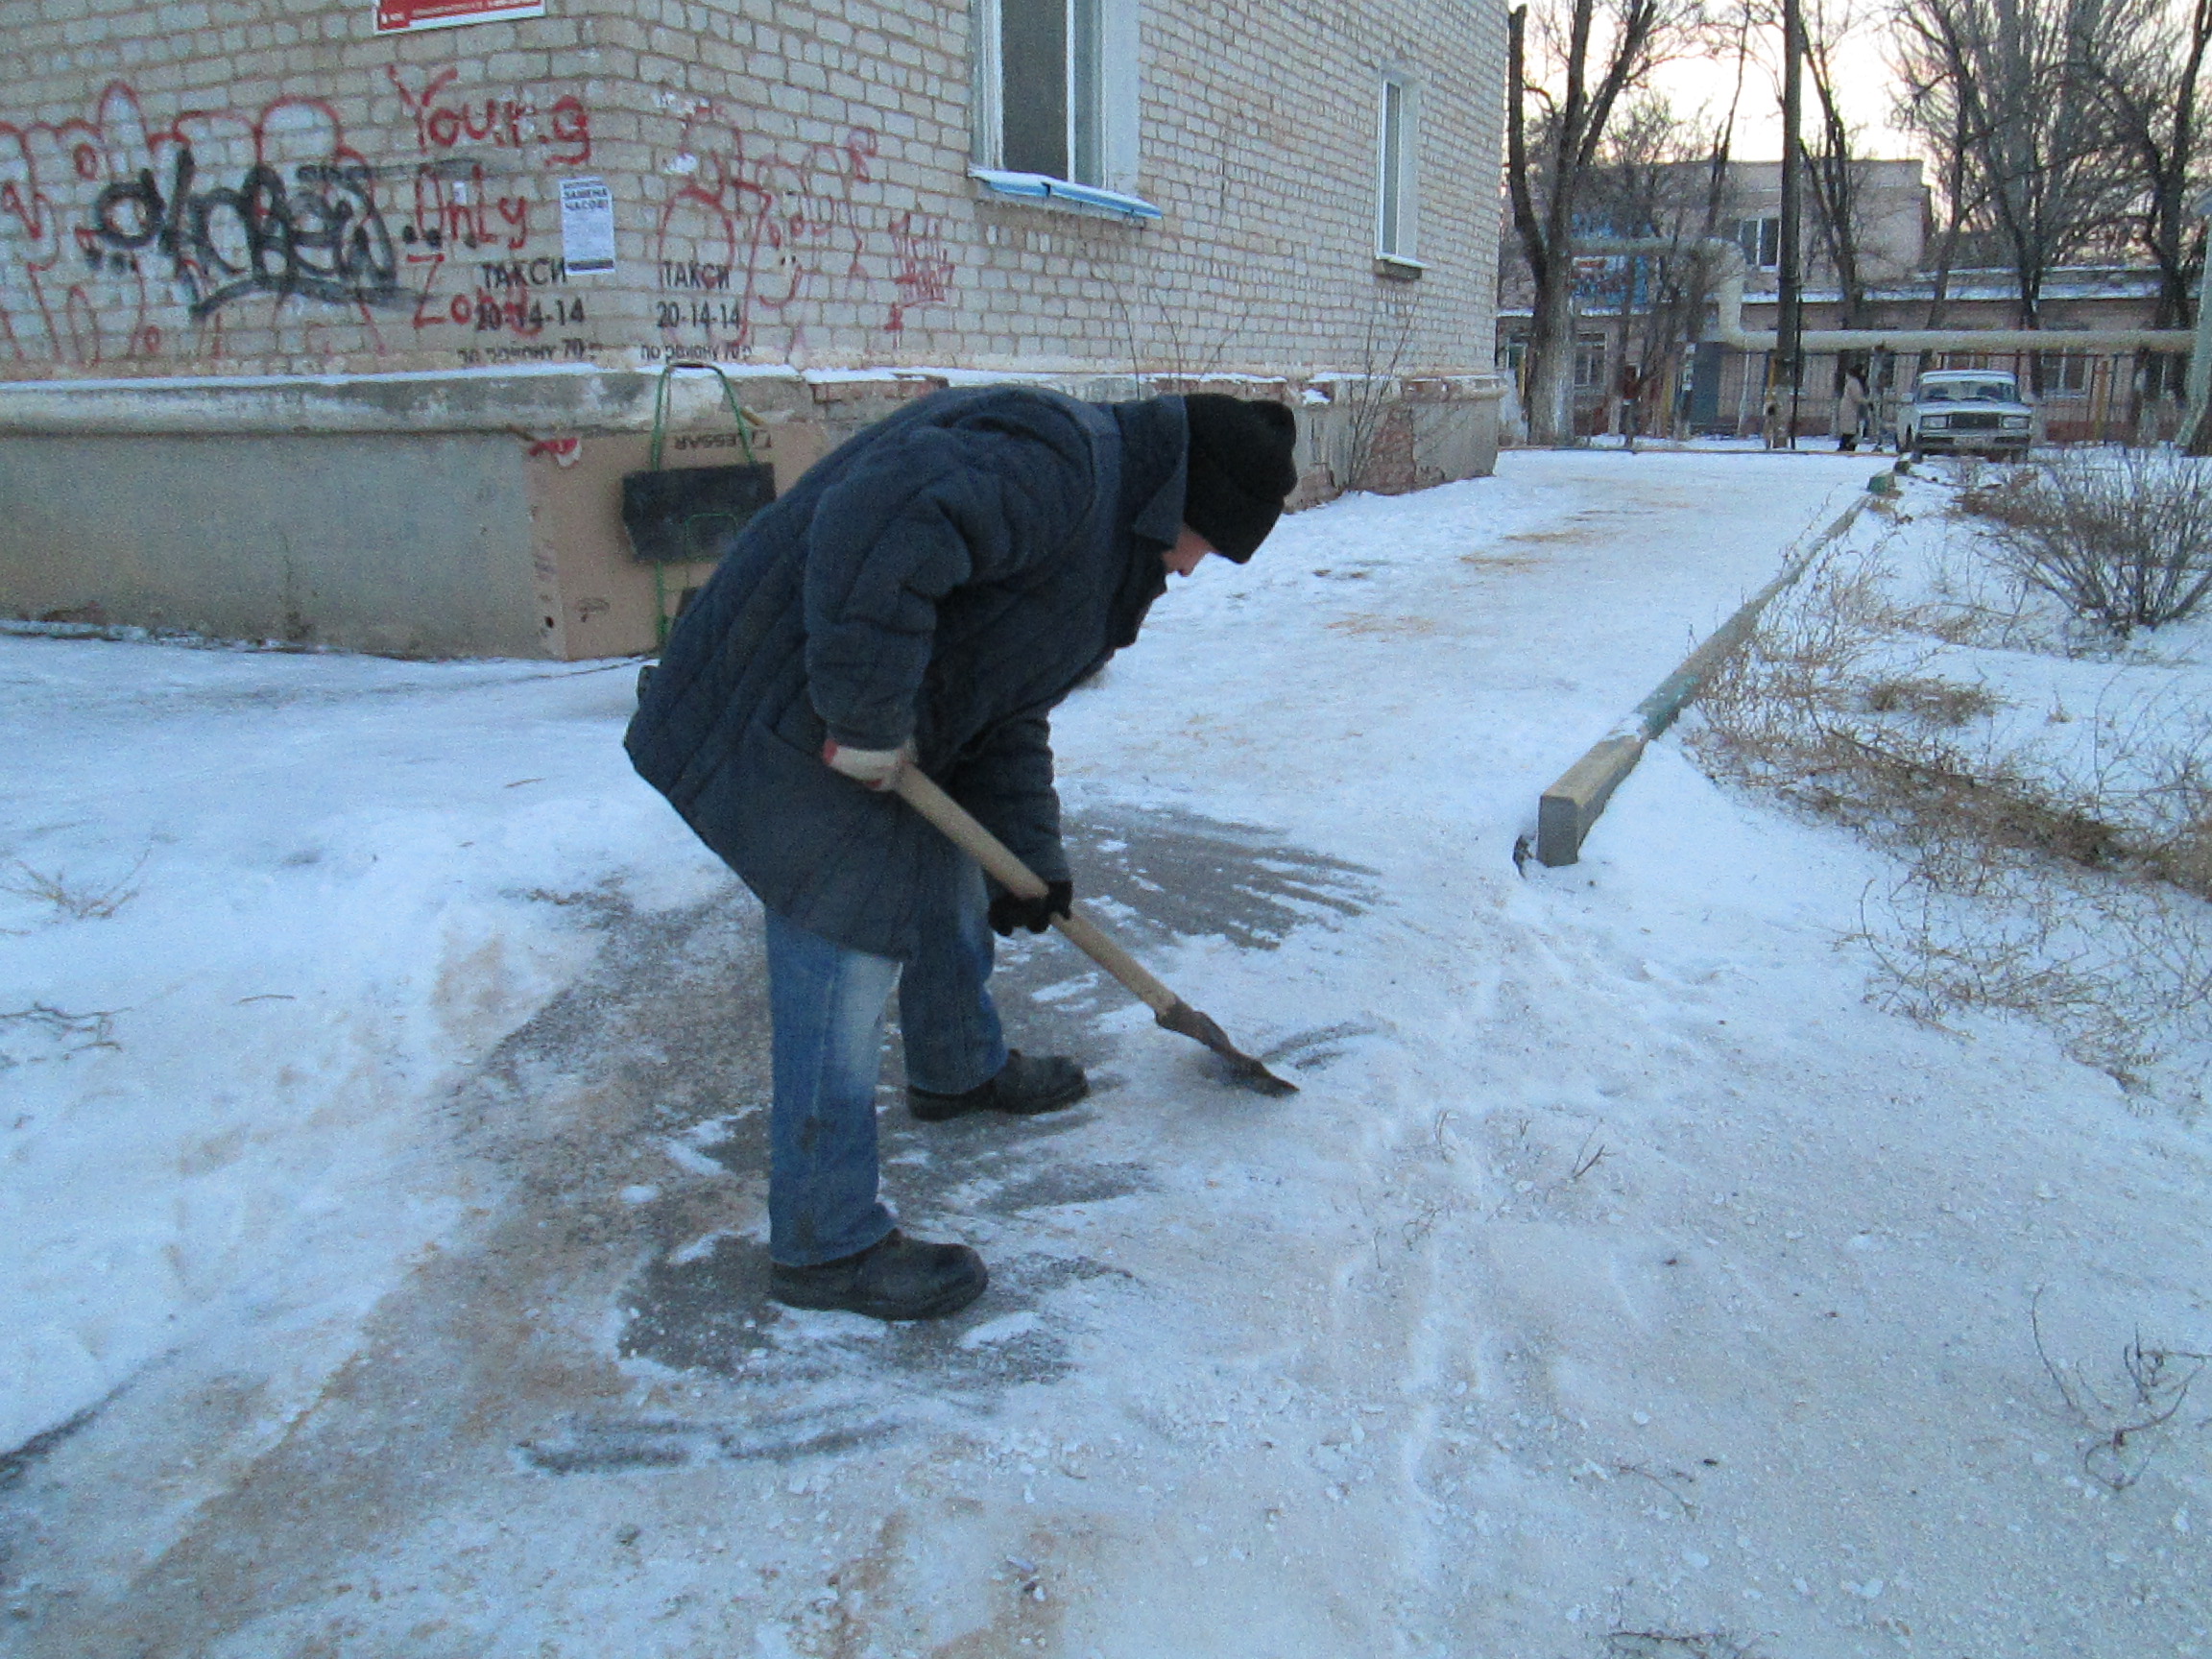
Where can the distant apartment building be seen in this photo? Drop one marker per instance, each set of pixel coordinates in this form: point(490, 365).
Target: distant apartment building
point(341, 320)
point(1708, 388)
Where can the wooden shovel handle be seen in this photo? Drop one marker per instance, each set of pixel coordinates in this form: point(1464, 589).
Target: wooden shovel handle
point(1018, 879)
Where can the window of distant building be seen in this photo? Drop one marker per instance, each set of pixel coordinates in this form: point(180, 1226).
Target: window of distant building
point(2065, 373)
point(1397, 197)
point(1589, 363)
point(1761, 240)
point(1055, 88)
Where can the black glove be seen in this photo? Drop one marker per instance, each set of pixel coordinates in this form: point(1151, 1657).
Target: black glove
point(1007, 912)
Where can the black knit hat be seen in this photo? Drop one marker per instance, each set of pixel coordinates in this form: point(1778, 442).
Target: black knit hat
point(1241, 466)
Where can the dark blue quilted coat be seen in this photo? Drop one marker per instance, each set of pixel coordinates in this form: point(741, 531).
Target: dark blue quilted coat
point(948, 575)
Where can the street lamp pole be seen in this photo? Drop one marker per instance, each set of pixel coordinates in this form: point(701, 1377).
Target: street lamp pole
point(1790, 322)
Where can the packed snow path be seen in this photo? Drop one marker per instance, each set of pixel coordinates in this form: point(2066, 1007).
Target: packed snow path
point(384, 1143)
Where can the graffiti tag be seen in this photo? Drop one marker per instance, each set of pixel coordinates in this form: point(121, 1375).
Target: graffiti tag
point(922, 270)
point(125, 237)
point(320, 238)
point(502, 121)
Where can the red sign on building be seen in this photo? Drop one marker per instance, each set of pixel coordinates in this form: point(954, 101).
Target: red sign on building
point(399, 16)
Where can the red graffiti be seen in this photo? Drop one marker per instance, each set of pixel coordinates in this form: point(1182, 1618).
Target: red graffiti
point(751, 237)
point(105, 219)
point(456, 212)
point(124, 237)
point(922, 270)
point(507, 122)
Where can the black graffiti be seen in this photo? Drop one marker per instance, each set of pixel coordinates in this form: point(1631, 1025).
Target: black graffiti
point(321, 238)
point(677, 273)
point(541, 273)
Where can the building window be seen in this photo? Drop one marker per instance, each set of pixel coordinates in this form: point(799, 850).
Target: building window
point(1761, 240)
point(1589, 363)
point(1398, 205)
point(1055, 88)
point(2065, 373)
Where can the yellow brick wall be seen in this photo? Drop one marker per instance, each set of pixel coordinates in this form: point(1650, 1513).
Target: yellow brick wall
point(267, 186)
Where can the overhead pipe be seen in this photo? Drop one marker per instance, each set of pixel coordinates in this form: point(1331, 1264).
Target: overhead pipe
point(1727, 327)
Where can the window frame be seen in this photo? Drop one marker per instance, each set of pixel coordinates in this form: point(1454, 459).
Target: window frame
point(1398, 176)
point(2067, 376)
point(1768, 231)
point(1594, 356)
point(1100, 111)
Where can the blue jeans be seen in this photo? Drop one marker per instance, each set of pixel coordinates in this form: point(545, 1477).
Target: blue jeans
point(827, 1003)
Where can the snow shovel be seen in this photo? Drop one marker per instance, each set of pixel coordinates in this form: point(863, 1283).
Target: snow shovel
point(1017, 877)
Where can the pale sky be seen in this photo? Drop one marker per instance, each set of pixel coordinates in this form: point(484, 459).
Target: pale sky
point(1709, 80)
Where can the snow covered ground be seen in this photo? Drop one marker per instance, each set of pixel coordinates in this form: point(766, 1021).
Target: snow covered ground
point(384, 1074)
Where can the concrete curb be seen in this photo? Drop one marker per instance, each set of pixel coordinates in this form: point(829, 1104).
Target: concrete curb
point(1568, 811)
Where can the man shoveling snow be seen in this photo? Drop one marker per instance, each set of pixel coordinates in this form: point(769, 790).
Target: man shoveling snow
point(924, 597)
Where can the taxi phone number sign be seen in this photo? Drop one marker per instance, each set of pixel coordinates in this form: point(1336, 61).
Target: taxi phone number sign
point(399, 16)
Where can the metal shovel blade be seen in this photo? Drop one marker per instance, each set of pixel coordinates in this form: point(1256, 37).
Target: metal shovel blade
point(1185, 1021)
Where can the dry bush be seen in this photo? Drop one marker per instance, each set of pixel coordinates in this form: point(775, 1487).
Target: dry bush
point(2068, 891)
point(1993, 495)
point(1813, 651)
point(2124, 541)
point(1971, 603)
point(2121, 970)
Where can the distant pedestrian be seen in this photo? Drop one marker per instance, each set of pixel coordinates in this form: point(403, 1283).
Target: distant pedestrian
point(1851, 411)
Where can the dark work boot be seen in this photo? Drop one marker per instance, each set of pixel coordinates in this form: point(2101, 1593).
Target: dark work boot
point(1024, 1088)
point(896, 1278)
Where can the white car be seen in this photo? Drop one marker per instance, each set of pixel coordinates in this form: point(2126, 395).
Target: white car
point(1965, 412)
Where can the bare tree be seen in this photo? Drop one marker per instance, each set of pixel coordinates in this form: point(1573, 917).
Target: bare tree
point(1568, 69)
point(1832, 170)
point(2147, 78)
point(1938, 99)
point(1660, 178)
point(2006, 82)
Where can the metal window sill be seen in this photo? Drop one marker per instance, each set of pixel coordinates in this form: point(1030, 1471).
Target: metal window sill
point(1398, 268)
point(1064, 195)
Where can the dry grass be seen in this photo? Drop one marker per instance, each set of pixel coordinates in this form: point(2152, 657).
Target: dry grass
point(2124, 1415)
point(76, 901)
point(1672, 1644)
point(1371, 627)
point(1938, 702)
point(68, 1034)
point(2071, 891)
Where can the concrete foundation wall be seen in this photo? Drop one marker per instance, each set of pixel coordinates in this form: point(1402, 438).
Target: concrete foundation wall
point(508, 541)
point(405, 545)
